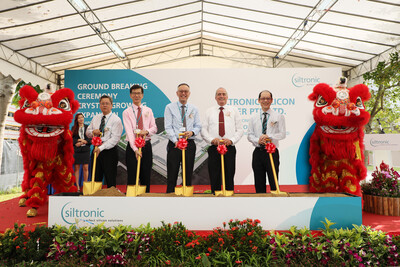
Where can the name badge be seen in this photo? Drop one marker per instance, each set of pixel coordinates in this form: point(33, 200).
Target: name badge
point(137, 131)
point(182, 129)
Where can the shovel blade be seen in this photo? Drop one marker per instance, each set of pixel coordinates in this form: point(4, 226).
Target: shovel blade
point(279, 193)
point(135, 190)
point(226, 194)
point(90, 188)
point(186, 191)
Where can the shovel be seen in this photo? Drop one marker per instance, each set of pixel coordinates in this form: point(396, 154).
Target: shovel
point(92, 186)
point(186, 191)
point(136, 190)
point(224, 192)
point(277, 191)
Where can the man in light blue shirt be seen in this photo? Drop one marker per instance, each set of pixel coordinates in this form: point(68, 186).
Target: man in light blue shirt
point(181, 117)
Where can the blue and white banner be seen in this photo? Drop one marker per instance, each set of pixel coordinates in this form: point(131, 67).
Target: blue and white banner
point(279, 213)
point(290, 89)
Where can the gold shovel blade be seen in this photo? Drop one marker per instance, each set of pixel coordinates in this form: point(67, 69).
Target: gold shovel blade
point(227, 193)
point(186, 191)
point(90, 188)
point(280, 193)
point(135, 190)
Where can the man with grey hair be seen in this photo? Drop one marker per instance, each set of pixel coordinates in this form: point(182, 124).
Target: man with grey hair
point(222, 125)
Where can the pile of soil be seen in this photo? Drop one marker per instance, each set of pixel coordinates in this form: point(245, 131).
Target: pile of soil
point(108, 192)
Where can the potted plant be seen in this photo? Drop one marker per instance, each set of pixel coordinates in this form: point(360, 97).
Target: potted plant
point(381, 195)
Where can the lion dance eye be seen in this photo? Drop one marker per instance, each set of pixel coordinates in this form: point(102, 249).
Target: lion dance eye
point(64, 104)
point(26, 104)
point(359, 103)
point(321, 102)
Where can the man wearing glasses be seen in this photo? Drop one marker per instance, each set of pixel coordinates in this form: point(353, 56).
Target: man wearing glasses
point(139, 122)
point(181, 117)
point(266, 126)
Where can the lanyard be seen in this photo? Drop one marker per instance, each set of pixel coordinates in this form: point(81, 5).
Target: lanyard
point(264, 126)
point(184, 114)
point(136, 117)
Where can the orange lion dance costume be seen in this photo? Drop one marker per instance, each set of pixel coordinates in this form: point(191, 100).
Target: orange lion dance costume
point(336, 146)
point(46, 144)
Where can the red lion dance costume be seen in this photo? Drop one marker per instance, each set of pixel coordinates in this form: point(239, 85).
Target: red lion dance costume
point(336, 146)
point(46, 144)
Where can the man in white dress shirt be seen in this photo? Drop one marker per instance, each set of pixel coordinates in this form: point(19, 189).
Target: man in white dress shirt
point(264, 126)
point(222, 124)
point(109, 126)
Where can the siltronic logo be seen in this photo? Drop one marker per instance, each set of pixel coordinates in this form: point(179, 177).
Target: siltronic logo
point(69, 213)
point(300, 81)
point(376, 143)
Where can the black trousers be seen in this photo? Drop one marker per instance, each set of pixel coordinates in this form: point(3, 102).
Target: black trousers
point(174, 159)
point(146, 162)
point(106, 166)
point(261, 164)
point(214, 168)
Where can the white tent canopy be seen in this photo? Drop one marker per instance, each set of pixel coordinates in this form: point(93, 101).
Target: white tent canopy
point(49, 36)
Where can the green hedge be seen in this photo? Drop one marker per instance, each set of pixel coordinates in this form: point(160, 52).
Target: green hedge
point(237, 243)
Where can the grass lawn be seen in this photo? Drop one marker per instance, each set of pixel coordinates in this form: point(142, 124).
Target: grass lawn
point(15, 192)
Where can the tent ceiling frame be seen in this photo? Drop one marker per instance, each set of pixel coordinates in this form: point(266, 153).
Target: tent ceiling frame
point(101, 30)
point(104, 21)
point(202, 39)
point(19, 60)
point(369, 65)
point(114, 30)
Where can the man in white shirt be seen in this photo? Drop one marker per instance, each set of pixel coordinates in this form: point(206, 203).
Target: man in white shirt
point(265, 126)
point(109, 126)
point(222, 124)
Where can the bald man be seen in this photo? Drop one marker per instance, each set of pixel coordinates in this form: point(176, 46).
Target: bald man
point(222, 124)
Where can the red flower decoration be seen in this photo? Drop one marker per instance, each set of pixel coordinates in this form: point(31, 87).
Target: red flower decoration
point(270, 147)
point(182, 143)
point(96, 141)
point(384, 166)
point(139, 142)
point(222, 149)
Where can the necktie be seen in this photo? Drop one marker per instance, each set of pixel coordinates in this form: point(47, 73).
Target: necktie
point(221, 122)
point(183, 116)
point(264, 123)
point(140, 122)
point(103, 121)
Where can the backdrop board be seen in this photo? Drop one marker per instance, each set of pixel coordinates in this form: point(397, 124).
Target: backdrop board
point(290, 88)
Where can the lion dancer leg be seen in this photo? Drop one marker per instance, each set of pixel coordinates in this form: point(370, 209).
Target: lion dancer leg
point(64, 179)
point(353, 172)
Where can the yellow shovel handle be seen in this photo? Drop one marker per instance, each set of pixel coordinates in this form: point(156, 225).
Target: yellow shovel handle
point(223, 173)
point(274, 171)
point(138, 170)
point(93, 169)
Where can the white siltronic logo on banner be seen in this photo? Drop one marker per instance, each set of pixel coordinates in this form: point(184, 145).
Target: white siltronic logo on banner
point(382, 142)
point(290, 89)
point(301, 80)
